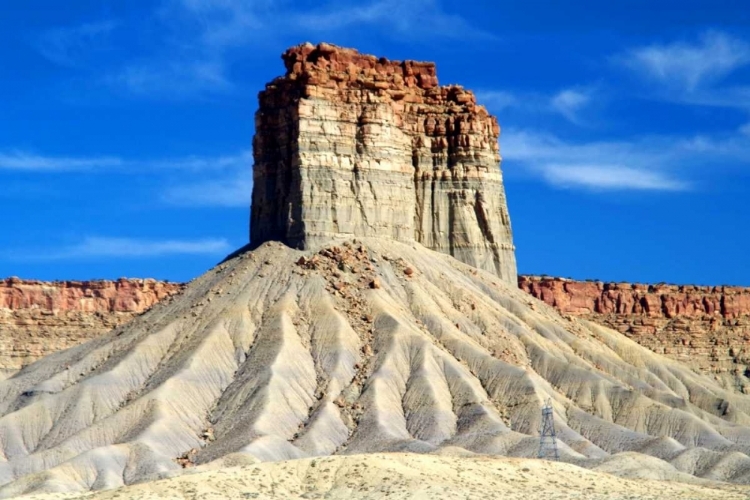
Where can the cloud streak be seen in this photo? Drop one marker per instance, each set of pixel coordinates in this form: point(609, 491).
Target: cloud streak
point(32, 162)
point(192, 181)
point(609, 177)
point(71, 46)
point(570, 102)
point(200, 39)
point(688, 66)
point(694, 73)
point(132, 248)
point(658, 163)
point(19, 160)
point(234, 190)
point(418, 20)
point(173, 79)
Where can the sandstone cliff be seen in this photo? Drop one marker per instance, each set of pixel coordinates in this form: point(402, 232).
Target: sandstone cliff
point(352, 145)
point(38, 318)
point(706, 327)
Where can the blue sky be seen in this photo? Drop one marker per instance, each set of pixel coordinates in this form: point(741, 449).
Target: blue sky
point(125, 127)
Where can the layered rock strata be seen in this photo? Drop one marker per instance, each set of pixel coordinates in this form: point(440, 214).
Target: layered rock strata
point(349, 144)
point(706, 327)
point(38, 318)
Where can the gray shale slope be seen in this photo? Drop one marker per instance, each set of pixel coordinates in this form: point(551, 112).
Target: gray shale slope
point(357, 347)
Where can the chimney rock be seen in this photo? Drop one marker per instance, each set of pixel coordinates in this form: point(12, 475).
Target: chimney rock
point(349, 144)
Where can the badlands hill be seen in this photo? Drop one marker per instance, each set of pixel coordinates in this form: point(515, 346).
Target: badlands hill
point(386, 319)
point(364, 347)
point(706, 328)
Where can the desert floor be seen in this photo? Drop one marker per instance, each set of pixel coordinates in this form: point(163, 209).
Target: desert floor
point(412, 476)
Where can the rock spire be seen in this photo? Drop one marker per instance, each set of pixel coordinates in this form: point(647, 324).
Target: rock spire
point(349, 144)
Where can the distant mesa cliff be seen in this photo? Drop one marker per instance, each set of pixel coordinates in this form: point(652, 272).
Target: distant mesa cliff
point(349, 144)
point(706, 327)
point(668, 301)
point(38, 318)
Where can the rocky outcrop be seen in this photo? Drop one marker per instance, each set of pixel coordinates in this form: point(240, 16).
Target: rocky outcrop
point(706, 327)
point(38, 318)
point(349, 144)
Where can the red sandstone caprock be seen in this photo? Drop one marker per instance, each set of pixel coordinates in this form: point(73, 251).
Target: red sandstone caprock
point(377, 148)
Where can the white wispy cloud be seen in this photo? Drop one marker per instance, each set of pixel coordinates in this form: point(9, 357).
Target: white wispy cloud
point(657, 163)
point(108, 247)
point(234, 190)
point(594, 165)
point(72, 45)
point(745, 129)
point(31, 162)
point(239, 161)
point(610, 177)
point(570, 102)
point(420, 20)
point(19, 160)
point(203, 37)
point(173, 79)
point(190, 181)
point(688, 66)
point(224, 23)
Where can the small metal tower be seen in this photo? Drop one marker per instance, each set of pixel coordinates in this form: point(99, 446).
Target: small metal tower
point(547, 437)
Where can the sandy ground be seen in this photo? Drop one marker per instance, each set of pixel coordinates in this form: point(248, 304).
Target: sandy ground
point(411, 476)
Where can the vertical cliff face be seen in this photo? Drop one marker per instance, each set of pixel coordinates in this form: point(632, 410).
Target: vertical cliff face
point(352, 145)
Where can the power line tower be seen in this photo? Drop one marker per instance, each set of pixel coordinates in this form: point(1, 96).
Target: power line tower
point(547, 436)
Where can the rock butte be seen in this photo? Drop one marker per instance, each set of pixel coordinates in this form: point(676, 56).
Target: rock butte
point(356, 346)
point(354, 145)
